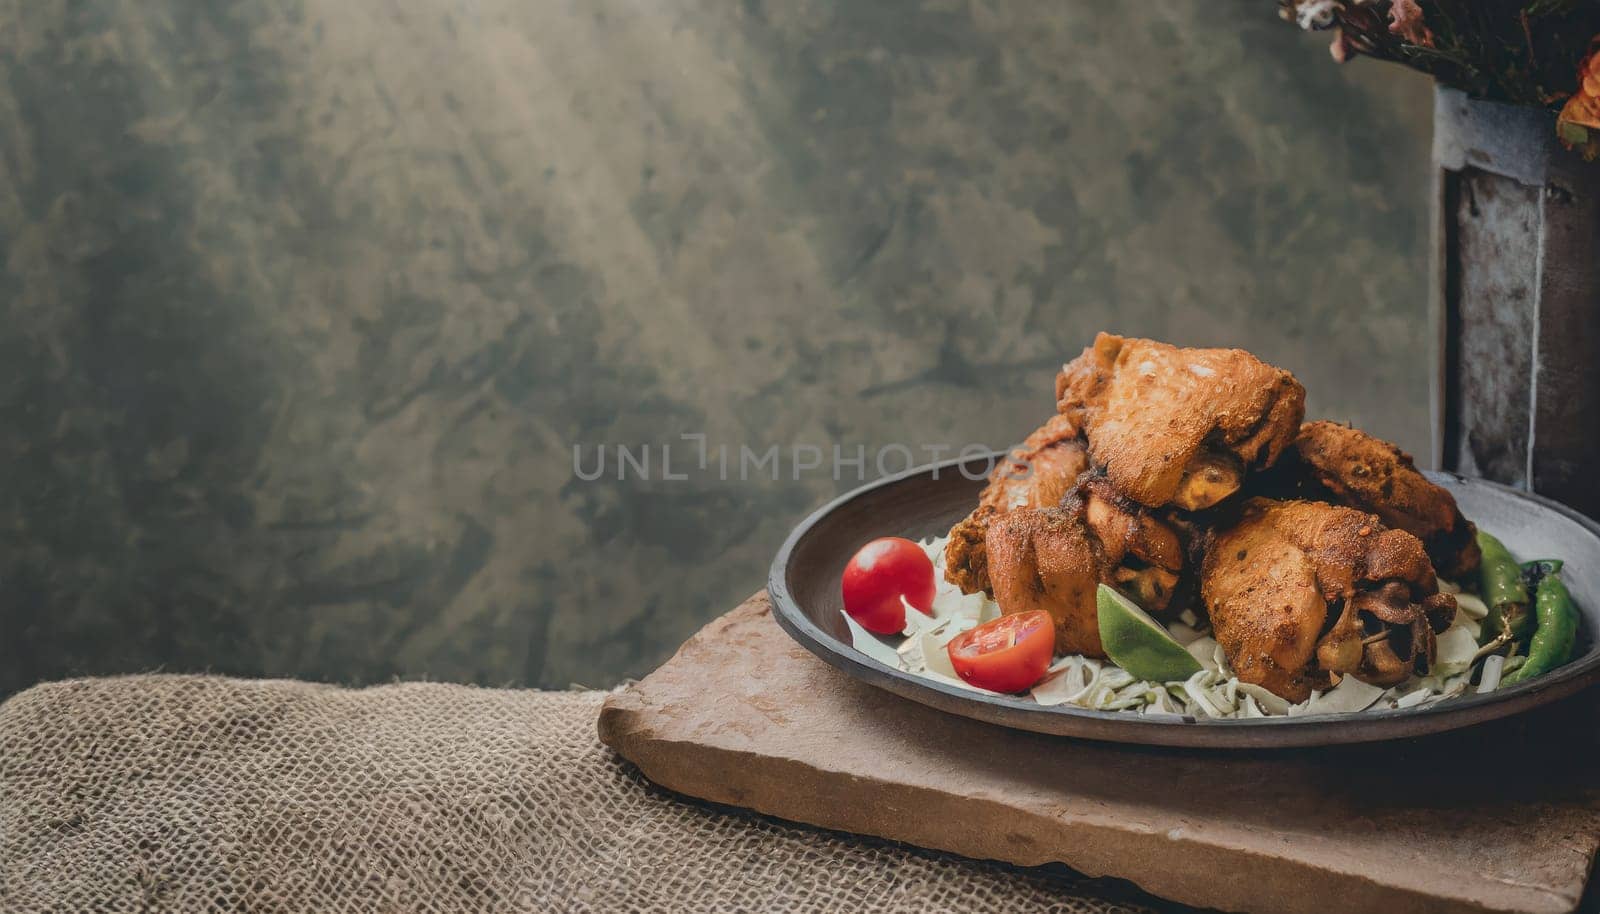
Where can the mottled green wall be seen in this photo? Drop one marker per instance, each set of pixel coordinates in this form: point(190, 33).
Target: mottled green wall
point(306, 303)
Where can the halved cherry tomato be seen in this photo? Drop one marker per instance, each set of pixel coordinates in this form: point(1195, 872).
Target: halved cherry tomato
point(1009, 654)
point(882, 572)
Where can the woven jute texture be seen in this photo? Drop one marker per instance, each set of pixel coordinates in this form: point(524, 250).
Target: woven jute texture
point(182, 793)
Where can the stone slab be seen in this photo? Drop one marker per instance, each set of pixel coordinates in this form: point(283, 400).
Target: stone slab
point(1501, 817)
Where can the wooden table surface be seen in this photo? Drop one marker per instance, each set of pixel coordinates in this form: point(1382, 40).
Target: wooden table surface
point(1501, 817)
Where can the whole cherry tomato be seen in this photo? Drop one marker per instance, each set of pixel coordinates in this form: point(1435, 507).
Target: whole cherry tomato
point(882, 572)
point(1008, 654)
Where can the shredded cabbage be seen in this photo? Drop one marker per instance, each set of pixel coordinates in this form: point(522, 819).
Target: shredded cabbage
point(1214, 692)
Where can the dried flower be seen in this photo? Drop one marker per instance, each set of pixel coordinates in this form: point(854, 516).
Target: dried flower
point(1521, 52)
point(1341, 48)
point(1405, 20)
point(1516, 52)
point(1579, 122)
point(1316, 15)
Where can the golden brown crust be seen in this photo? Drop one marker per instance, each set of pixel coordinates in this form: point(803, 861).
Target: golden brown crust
point(1051, 559)
point(1037, 474)
point(1046, 559)
point(1123, 527)
point(966, 555)
point(1039, 471)
point(1350, 548)
point(1148, 409)
point(1145, 550)
point(1261, 592)
point(1271, 578)
point(1373, 475)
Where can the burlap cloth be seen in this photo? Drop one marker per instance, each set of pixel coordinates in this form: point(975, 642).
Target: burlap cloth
point(183, 793)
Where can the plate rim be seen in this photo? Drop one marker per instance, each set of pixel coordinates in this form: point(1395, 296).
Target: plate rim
point(1188, 732)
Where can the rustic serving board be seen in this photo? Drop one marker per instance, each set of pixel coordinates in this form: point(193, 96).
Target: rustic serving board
point(743, 716)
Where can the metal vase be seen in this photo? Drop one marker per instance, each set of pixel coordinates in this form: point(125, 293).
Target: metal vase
point(1516, 299)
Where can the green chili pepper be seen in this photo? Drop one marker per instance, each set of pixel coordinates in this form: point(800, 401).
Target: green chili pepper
point(1538, 568)
point(1558, 628)
point(1500, 580)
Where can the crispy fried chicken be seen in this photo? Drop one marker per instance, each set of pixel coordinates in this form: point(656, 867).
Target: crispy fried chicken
point(1037, 474)
point(1053, 558)
point(1301, 591)
point(1044, 558)
point(1333, 577)
point(1178, 426)
point(1373, 475)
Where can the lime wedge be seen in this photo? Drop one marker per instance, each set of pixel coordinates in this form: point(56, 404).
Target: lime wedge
point(1138, 643)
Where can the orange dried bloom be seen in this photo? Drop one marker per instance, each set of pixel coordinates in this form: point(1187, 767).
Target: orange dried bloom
point(1579, 123)
point(1341, 48)
point(1405, 20)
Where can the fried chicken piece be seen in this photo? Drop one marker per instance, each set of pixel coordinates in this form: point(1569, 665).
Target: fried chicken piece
point(1299, 591)
point(1371, 474)
point(1037, 474)
point(1145, 552)
point(1045, 558)
point(1265, 608)
point(1053, 558)
point(1178, 426)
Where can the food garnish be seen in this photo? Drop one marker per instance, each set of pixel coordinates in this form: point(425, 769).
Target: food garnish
point(882, 579)
point(1138, 643)
point(1008, 654)
point(1555, 631)
point(1500, 579)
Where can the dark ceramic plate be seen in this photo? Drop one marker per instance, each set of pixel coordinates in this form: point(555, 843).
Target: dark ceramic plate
point(804, 585)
